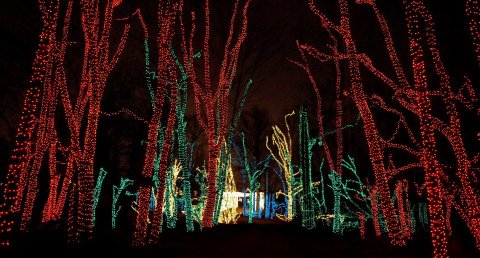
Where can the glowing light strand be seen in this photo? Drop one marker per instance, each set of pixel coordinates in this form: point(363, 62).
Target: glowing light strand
point(217, 96)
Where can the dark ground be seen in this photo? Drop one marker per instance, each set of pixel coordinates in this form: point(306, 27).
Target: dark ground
point(241, 240)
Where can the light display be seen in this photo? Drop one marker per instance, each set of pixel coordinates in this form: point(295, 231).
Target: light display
point(80, 157)
point(375, 212)
point(49, 73)
point(228, 210)
point(222, 168)
point(338, 217)
point(167, 16)
point(361, 220)
point(253, 173)
point(225, 155)
point(209, 97)
point(405, 94)
point(171, 203)
point(429, 155)
point(371, 132)
point(100, 64)
point(284, 160)
point(28, 182)
point(72, 227)
point(468, 196)
point(197, 210)
point(98, 190)
point(182, 141)
point(354, 199)
point(306, 144)
point(472, 9)
point(117, 191)
point(49, 210)
point(402, 208)
point(411, 118)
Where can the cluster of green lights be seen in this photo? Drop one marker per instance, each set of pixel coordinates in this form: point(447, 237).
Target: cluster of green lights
point(97, 191)
point(253, 172)
point(182, 142)
point(117, 192)
point(307, 199)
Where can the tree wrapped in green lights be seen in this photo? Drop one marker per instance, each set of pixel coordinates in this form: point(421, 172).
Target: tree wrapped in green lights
point(253, 173)
point(353, 196)
point(98, 190)
point(308, 200)
point(117, 192)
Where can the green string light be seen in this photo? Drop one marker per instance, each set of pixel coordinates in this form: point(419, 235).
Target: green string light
point(117, 191)
point(182, 141)
point(97, 191)
point(307, 199)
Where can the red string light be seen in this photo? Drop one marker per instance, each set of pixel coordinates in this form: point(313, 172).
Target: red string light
point(361, 221)
point(211, 97)
point(167, 14)
point(401, 204)
point(428, 156)
point(375, 213)
point(472, 9)
point(37, 135)
point(468, 197)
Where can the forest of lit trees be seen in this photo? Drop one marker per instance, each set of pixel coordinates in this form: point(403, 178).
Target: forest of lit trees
point(387, 144)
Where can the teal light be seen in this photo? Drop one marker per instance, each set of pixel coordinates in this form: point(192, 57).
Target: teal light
point(97, 191)
point(117, 191)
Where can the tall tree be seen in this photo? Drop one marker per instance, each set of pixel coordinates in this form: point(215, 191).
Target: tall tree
point(212, 96)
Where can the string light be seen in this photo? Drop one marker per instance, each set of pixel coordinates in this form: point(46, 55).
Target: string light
point(29, 187)
point(71, 164)
point(228, 214)
point(375, 212)
point(306, 144)
point(225, 152)
point(403, 216)
point(468, 196)
point(117, 191)
point(49, 210)
point(97, 191)
point(284, 160)
point(214, 96)
point(167, 15)
point(182, 141)
point(472, 9)
point(361, 220)
point(253, 172)
point(428, 157)
point(49, 73)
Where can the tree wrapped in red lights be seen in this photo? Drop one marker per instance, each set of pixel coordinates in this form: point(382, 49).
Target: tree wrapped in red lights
point(446, 186)
point(440, 185)
point(167, 82)
point(76, 147)
point(99, 61)
point(212, 93)
point(341, 36)
point(15, 178)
